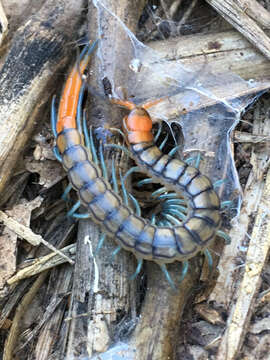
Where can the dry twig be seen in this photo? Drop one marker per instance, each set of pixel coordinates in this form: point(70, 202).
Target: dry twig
point(235, 12)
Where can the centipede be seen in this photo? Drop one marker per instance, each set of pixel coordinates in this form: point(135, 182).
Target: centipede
point(147, 241)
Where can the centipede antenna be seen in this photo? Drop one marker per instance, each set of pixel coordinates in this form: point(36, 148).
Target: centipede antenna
point(116, 251)
point(119, 147)
point(159, 191)
point(79, 108)
point(161, 146)
point(184, 271)
point(144, 182)
point(92, 146)
point(102, 162)
point(224, 236)
point(172, 219)
point(130, 171)
point(124, 190)
point(176, 212)
point(218, 183)
point(100, 244)
point(66, 192)
point(53, 117)
point(114, 179)
point(167, 275)
point(138, 269)
point(57, 154)
point(209, 259)
point(226, 203)
point(197, 161)
point(174, 150)
point(158, 132)
point(86, 133)
point(73, 209)
point(136, 204)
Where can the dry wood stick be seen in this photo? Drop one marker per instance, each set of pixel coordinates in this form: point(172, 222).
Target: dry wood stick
point(36, 55)
point(235, 14)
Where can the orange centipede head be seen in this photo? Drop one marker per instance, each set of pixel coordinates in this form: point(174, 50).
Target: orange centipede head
point(138, 120)
point(138, 126)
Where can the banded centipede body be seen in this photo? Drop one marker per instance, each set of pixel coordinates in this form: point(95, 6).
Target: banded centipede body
point(162, 244)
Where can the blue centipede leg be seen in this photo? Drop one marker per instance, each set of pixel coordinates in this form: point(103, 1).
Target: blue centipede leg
point(224, 236)
point(124, 190)
point(226, 203)
point(190, 160)
point(57, 154)
point(138, 269)
point(175, 202)
point(172, 219)
point(100, 243)
point(72, 213)
point(218, 183)
point(130, 171)
point(102, 162)
point(86, 133)
point(175, 212)
point(209, 260)
point(144, 182)
point(136, 204)
point(153, 219)
point(161, 146)
point(79, 108)
point(53, 117)
point(74, 208)
point(159, 191)
point(114, 179)
point(167, 196)
point(115, 252)
point(158, 132)
point(184, 270)
point(174, 150)
point(119, 132)
point(174, 206)
point(66, 192)
point(167, 275)
point(92, 145)
point(197, 161)
point(119, 147)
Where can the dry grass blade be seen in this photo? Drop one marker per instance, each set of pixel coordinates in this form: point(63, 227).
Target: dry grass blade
point(44, 263)
point(27, 234)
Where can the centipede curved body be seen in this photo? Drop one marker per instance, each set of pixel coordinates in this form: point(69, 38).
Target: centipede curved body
point(134, 233)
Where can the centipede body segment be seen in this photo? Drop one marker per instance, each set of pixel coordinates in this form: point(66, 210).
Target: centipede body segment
point(162, 244)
